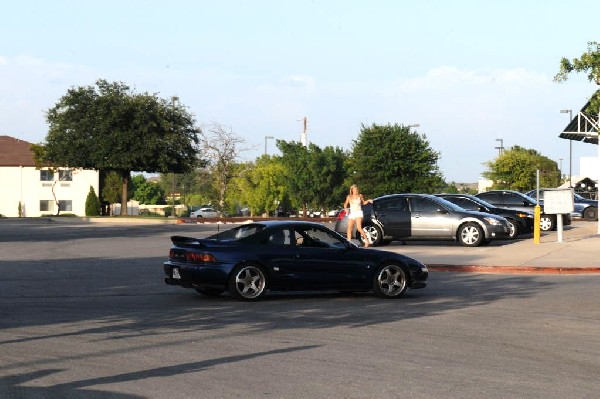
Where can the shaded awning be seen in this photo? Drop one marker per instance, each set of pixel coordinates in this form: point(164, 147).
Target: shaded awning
point(584, 127)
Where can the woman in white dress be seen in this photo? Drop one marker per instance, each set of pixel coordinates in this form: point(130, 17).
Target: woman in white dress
point(355, 201)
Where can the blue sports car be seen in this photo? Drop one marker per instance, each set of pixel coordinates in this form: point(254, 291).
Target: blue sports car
point(249, 260)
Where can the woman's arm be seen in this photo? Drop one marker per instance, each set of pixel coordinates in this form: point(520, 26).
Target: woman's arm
point(364, 201)
point(347, 201)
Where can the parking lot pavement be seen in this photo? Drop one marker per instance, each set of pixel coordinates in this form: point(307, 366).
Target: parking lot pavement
point(576, 253)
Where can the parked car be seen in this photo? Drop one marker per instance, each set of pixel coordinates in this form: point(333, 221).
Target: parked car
point(583, 207)
point(520, 222)
point(204, 213)
point(334, 212)
point(515, 200)
point(425, 217)
point(251, 259)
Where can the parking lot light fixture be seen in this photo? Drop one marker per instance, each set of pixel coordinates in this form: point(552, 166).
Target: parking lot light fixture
point(570, 112)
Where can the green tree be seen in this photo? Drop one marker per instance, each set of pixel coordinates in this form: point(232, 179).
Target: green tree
point(330, 175)
point(388, 159)
point(262, 185)
point(295, 157)
point(112, 188)
point(589, 63)
point(515, 169)
point(92, 203)
point(109, 127)
point(147, 192)
point(315, 177)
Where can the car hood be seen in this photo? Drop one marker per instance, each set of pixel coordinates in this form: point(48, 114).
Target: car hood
point(485, 214)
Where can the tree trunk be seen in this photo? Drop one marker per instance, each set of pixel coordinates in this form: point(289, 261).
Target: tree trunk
point(125, 180)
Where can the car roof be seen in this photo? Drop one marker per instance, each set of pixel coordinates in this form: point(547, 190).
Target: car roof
point(276, 223)
point(406, 195)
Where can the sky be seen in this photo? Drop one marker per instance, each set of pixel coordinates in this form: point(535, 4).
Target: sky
point(474, 75)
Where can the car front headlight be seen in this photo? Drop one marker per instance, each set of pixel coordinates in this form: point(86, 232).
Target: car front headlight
point(525, 215)
point(492, 221)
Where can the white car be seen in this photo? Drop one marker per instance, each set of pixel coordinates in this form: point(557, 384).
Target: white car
point(204, 213)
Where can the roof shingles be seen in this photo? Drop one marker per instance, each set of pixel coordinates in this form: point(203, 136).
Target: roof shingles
point(15, 152)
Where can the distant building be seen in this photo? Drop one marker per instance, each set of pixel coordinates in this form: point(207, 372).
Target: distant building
point(36, 192)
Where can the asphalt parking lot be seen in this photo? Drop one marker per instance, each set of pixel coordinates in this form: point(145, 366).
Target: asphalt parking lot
point(84, 313)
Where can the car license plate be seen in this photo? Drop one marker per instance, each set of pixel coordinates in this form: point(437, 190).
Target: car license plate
point(175, 273)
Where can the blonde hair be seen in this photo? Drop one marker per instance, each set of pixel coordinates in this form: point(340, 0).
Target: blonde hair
point(354, 186)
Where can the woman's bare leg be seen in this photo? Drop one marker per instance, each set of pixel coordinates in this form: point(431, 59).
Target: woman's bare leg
point(350, 229)
point(361, 231)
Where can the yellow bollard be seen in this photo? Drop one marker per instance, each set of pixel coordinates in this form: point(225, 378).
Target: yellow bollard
point(536, 224)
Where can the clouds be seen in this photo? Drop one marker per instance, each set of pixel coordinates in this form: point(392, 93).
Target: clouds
point(460, 110)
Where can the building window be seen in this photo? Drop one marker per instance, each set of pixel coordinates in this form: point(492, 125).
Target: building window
point(66, 205)
point(65, 175)
point(46, 206)
point(46, 175)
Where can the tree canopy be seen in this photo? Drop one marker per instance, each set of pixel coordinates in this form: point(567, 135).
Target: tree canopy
point(315, 176)
point(109, 127)
point(515, 169)
point(588, 63)
point(388, 159)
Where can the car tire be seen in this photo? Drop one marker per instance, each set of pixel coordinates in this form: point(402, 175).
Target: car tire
point(513, 229)
point(375, 233)
point(591, 213)
point(247, 282)
point(547, 223)
point(470, 235)
point(390, 281)
point(209, 291)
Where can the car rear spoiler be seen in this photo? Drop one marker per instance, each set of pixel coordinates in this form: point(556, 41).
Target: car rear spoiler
point(187, 241)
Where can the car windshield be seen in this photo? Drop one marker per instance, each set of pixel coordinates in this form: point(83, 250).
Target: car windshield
point(580, 197)
point(481, 202)
point(451, 206)
point(237, 233)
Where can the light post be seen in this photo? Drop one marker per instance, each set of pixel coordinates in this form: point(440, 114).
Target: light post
point(174, 101)
point(266, 138)
point(570, 112)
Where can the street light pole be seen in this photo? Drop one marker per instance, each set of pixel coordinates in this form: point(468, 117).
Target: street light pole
point(266, 138)
point(570, 112)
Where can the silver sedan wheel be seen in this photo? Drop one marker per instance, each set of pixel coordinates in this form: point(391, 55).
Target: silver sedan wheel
point(390, 281)
point(546, 223)
point(471, 235)
point(248, 283)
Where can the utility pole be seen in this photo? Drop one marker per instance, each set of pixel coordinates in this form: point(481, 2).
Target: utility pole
point(500, 148)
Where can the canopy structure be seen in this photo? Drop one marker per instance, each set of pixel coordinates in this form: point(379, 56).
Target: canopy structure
point(582, 128)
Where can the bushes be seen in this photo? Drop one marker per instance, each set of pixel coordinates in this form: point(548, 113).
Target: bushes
point(92, 203)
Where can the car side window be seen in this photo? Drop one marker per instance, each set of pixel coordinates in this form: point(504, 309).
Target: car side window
point(423, 205)
point(317, 238)
point(393, 204)
point(512, 199)
point(466, 204)
point(492, 198)
point(279, 237)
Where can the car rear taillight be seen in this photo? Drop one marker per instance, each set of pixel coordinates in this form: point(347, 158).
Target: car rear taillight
point(199, 257)
point(342, 214)
point(190, 256)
